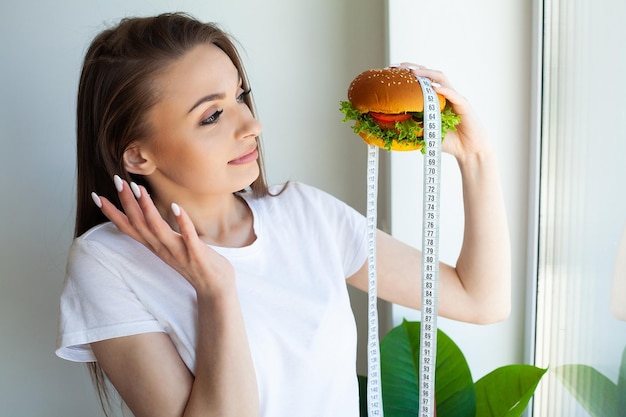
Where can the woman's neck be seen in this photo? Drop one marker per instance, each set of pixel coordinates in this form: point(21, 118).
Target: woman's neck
point(225, 221)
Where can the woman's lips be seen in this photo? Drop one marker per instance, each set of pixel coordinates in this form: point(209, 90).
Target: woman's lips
point(246, 158)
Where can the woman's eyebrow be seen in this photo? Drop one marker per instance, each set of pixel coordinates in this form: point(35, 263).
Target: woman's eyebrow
point(210, 97)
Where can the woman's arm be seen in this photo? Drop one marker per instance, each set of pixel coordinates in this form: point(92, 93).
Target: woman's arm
point(146, 369)
point(478, 288)
point(150, 376)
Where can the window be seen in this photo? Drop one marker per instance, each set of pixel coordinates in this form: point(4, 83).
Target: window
point(580, 327)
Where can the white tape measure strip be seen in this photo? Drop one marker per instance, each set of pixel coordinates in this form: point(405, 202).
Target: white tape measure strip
point(430, 263)
point(430, 248)
point(375, 401)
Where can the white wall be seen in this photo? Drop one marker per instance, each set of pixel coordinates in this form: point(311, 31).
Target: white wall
point(301, 57)
point(483, 46)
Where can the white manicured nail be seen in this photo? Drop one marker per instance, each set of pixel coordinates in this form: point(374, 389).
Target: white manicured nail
point(175, 209)
point(135, 189)
point(436, 85)
point(96, 200)
point(119, 185)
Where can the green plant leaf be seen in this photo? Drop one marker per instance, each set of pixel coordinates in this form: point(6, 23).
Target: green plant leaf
point(400, 358)
point(594, 391)
point(507, 390)
point(362, 395)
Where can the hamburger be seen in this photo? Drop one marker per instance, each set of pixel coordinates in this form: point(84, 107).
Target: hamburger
point(387, 106)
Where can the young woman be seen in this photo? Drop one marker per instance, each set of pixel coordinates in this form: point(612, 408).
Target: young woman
point(200, 291)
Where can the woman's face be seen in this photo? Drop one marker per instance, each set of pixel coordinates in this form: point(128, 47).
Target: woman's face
point(204, 140)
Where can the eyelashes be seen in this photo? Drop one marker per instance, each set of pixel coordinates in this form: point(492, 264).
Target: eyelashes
point(213, 118)
point(241, 98)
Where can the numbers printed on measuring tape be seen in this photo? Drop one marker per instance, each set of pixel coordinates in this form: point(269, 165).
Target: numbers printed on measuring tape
point(430, 263)
point(374, 398)
point(430, 249)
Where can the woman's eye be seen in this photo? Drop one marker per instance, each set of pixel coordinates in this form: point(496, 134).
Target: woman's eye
point(243, 95)
point(212, 118)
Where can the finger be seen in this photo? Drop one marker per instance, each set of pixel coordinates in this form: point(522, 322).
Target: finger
point(136, 214)
point(188, 232)
point(433, 75)
point(129, 204)
point(423, 71)
point(199, 258)
point(186, 227)
point(153, 219)
point(175, 248)
point(152, 226)
point(407, 65)
point(450, 94)
point(116, 217)
point(202, 261)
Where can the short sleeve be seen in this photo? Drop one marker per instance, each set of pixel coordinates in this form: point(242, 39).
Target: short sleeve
point(345, 227)
point(351, 233)
point(96, 304)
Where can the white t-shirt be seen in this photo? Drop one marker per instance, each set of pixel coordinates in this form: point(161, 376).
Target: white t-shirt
point(292, 289)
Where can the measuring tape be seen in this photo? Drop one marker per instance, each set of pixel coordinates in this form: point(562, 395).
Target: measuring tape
point(430, 248)
point(430, 263)
point(374, 392)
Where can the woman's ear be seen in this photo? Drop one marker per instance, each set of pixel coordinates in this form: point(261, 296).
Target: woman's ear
point(136, 162)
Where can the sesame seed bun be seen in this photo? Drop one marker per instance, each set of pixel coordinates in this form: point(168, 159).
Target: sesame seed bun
point(388, 90)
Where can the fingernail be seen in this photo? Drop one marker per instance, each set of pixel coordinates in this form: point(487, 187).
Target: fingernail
point(175, 209)
point(119, 185)
point(135, 189)
point(96, 200)
point(394, 65)
point(434, 84)
point(414, 67)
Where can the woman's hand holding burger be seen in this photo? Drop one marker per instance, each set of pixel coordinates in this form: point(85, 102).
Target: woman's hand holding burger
point(470, 135)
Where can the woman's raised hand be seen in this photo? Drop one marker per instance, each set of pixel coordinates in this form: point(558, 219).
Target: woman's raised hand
point(204, 268)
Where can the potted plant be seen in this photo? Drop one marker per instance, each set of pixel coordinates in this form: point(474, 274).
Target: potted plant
point(504, 392)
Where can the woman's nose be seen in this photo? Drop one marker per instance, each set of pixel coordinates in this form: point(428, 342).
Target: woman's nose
point(249, 126)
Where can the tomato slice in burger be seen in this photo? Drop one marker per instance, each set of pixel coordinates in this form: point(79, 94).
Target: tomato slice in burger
point(391, 118)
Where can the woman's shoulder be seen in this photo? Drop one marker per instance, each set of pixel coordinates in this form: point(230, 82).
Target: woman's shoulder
point(292, 196)
point(300, 200)
point(102, 233)
point(104, 239)
point(297, 191)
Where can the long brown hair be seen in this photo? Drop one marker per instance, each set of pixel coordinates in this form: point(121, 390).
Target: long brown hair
point(116, 90)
